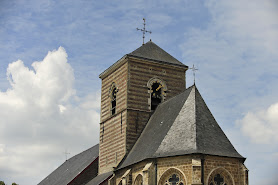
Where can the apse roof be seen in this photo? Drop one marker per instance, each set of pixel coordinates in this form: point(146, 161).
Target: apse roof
point(180, 126)
point(151, 51)
point(72, 167)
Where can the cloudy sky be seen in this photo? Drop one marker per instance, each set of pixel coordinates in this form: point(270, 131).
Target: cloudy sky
point(51, 53)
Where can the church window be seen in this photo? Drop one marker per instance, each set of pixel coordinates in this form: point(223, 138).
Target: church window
point(174, 179)
point(113, 98)
point(156, 95)
point(220, 176)
point(157, 90)
point(139, 180)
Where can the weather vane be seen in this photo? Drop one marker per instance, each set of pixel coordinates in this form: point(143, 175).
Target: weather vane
point(144, 30)
point(66, 154)
point(193, 70)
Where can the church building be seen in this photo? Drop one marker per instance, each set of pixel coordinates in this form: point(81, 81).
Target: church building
point(153, 130)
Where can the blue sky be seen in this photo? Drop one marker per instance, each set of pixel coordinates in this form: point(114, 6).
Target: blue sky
point(51, 53)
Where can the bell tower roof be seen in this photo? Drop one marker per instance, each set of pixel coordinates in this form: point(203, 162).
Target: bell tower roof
point(150, 52)
point(153, 52)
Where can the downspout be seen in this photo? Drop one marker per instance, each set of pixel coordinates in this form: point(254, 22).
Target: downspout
point(155, 171)
point(202, 170)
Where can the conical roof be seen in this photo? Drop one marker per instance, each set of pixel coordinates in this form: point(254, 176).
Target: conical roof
point(180, 126)
point(151, 51)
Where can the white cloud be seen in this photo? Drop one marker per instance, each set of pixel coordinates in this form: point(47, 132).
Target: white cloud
point(237, 61)
point(41, 117)
point(236, 54)
point(261, 126)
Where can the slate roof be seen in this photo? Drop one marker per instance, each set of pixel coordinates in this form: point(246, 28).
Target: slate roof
point(180, 126)
point(72, 167)
point(100, 178)
point(151, 51)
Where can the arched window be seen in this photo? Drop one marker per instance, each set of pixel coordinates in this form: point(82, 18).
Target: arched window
point(220, 176)
point(157, 89)
point(217, 180)
point(138, 180)
point(172, 177)
point(156, 95)
point(113, 98)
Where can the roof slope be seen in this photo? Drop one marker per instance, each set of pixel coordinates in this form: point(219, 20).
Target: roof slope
point(72, 167)
point(100, 178)
point(182, 125)
point(151, 51)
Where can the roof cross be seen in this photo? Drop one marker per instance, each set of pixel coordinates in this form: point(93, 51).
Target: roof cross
point(194, 70)
point(66, 154)
point(144, 30)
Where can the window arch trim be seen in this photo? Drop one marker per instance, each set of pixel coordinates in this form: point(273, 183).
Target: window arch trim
point(227, 173)
point(163, 89)
point(169, 172)
point(138, 177)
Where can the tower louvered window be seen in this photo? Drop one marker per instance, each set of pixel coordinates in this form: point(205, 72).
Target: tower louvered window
point(156, 96)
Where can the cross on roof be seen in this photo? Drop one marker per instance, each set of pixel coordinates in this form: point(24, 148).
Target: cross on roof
point(66, 154)
point(144, 30)
point(194, 70)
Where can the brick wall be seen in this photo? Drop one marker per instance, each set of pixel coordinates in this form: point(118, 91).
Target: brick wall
point(113, 127)
point(138, 97)
point(120, 131)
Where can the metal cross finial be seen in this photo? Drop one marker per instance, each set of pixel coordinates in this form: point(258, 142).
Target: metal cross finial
point(66, 154)
point(144, 30)
point(194, 70)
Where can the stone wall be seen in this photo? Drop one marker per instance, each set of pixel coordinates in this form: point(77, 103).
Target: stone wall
point(187, 168)
point(232, 166)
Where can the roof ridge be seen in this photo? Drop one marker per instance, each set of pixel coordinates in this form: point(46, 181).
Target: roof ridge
point(175, 96)
point(153, 52)
point(84, 151)
point(217, 145)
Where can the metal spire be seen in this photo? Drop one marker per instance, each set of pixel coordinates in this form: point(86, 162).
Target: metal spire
point(193, 70)
point(144, 30)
